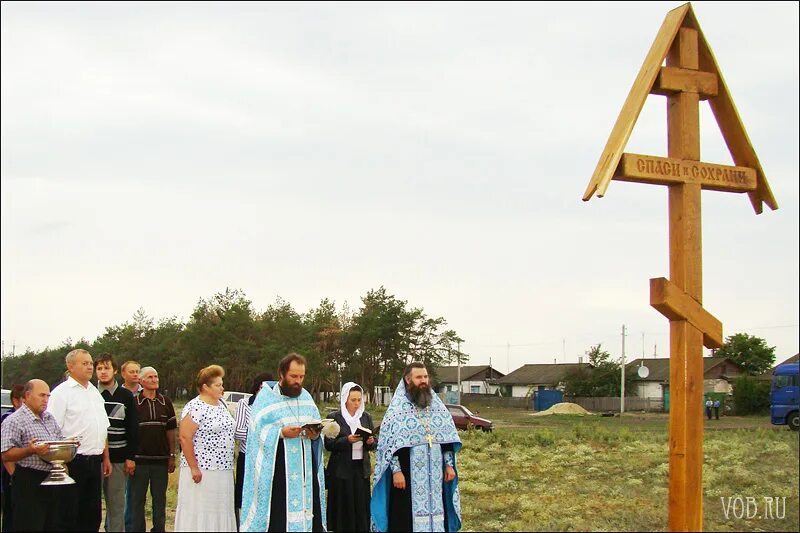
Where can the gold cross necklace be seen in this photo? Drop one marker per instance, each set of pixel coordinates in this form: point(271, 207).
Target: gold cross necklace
point(426, 423)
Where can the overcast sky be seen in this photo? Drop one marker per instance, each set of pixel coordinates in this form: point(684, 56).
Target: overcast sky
point(154, 154)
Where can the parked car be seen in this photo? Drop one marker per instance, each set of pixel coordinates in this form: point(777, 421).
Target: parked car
point(6, 401)
point(232, 398)
point(464, 419)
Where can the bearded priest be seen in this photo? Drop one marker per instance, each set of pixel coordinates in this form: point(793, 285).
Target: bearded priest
point(283, 479)
point(416, 480)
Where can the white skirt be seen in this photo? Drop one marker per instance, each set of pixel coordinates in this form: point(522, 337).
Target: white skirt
point(205, 506)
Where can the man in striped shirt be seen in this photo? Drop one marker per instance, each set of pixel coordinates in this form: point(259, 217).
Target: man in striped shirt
point(240, 434)
point(122, 440)
point(155, 456)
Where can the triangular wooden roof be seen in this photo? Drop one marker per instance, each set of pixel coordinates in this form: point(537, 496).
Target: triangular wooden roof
point(449, 374)
point(722, 106)
point(540, 374)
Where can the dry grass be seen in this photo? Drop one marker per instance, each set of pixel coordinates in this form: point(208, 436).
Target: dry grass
point(566, 473)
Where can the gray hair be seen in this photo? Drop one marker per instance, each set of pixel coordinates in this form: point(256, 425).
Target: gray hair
point(73, 354)
point(147, 370)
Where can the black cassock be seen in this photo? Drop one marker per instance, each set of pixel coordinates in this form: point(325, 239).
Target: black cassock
point(277, 509)
point(400, 499)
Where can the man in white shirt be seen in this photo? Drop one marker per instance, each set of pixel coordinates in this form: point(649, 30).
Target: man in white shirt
point(80, 412)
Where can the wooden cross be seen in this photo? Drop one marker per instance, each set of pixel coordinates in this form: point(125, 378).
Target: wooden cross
point(691, 74)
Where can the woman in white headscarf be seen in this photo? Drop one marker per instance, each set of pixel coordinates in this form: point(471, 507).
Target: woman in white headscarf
point(348, 472)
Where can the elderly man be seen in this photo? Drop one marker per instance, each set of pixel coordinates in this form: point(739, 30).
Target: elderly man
point(80, 411)
point(416, 483)
point(35, 506)
point(155, 456)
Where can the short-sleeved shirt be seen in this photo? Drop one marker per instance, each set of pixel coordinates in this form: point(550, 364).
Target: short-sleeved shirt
point(156, 417)
point(22, 426)
point(213, 440)
point(81, 412)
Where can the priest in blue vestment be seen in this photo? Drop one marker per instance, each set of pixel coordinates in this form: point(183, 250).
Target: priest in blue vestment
point(416, 479)
point(283, 479)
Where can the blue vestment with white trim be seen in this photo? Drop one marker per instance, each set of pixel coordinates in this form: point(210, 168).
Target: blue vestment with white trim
point(271, 412)
point(402, 427)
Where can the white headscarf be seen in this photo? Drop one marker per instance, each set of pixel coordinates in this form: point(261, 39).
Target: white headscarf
point(352, 420)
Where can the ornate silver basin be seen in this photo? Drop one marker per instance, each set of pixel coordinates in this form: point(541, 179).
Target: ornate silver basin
point(60, 452)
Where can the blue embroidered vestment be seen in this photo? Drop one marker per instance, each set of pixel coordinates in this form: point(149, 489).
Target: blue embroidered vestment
point(404, 427)
point(270, 413)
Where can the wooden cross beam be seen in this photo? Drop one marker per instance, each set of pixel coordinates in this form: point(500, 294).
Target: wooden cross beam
point(689, 76)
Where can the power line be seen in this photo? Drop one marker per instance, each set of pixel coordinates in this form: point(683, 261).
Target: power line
point(613, 336)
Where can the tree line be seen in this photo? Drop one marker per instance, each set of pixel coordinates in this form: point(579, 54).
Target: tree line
point(370, 346)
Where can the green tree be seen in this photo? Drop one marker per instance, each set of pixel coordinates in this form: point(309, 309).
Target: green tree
point(750, 395)
point(370, 346)
point(750, 352)
point(48, 364)
point(597, 356)
point(324, 352)
point(600, 379)
point(378, 340)
point(282, 331)
point(221, 331)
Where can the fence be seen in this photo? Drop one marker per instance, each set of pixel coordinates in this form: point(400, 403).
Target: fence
point(595, 405)
point(490, 400)
point(633, 403)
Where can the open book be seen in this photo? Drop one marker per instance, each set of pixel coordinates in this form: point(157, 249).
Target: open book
point(313, 425)
point(318, 425)
point(363, 432)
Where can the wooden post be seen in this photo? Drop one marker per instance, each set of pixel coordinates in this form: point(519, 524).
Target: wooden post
point(690, 75)
point(686, 341)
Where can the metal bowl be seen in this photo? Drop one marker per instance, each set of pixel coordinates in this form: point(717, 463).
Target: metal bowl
point(61, 451)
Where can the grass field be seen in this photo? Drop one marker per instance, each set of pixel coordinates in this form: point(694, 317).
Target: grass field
point(566, 473)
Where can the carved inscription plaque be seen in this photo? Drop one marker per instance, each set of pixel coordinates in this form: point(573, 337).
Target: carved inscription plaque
point(667, 171)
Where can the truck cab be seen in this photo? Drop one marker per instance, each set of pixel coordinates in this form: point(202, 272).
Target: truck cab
point(785, 396)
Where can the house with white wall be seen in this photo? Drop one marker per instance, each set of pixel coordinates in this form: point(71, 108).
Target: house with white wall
point(474, 379)
point(718, 375)
point(522, 382)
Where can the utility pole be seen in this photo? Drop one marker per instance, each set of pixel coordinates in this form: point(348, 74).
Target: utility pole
point(490, 373)
point(458, 356)
point(622, 370)
point(508, 357)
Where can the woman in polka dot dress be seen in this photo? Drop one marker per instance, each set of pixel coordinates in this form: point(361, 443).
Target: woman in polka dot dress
point(205, 485)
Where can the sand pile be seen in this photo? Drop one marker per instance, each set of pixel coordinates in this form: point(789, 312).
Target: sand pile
point(564, 408)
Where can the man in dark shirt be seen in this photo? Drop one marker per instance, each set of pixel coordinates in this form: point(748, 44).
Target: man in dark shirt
point(155, 457)
point(122, 440)
point(8, 468)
